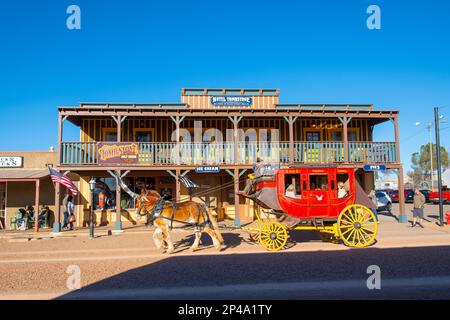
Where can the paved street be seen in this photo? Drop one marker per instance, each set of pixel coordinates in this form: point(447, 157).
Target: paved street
point(414, 263)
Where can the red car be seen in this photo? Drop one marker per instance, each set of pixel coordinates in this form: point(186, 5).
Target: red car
point(394, 194)
point(434, 195)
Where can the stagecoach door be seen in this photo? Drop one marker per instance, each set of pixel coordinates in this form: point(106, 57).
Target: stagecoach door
point(319, 185)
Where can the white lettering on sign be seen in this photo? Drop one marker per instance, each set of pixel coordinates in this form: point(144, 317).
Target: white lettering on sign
point(11, 162)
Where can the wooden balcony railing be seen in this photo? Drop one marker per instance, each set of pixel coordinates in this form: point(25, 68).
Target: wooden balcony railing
point(165, 153)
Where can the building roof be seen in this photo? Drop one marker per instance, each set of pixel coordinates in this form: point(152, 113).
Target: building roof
point(18, 174)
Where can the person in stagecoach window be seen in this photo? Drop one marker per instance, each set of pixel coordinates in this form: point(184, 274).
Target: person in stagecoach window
point(290, 191)
point(342, 193)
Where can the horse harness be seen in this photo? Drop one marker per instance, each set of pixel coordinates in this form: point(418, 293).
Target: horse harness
point(159, 207)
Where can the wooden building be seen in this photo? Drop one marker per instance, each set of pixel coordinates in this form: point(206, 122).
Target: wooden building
point(214, 137)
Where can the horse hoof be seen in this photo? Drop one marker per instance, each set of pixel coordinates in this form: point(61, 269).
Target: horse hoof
point(170, 251)
point(194, 249)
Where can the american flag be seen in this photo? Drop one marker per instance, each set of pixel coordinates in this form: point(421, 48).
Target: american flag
point(58, 177)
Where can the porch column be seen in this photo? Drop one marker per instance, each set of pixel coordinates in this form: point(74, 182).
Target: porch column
point(118, 223)
point(177, 187)
point(345, 133)
point(119, 128)
point(36, 212)
point(402, 218)
point(235, 139)
point(57, 222)
point(60, 133)
point(397, 142)
point(291, 139)
point(237, 219)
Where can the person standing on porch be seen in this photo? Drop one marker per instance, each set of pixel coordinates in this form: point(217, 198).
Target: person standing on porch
point(419, 203)
point(69, 217)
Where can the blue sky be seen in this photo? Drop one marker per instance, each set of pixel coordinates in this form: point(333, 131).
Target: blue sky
point(145, 51)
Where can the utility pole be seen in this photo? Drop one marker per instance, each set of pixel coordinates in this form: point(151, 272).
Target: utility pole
point(431, 156)
point(438, 167)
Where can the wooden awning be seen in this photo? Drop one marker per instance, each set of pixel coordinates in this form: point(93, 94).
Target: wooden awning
point(23, 174)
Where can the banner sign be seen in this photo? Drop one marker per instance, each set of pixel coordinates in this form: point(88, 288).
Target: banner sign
point(117, 153)
point(374, 167)
point(207, 169)
point(231, 101)
point(11, 162)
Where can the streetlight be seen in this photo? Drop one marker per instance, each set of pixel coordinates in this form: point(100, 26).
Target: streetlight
point(92, 184)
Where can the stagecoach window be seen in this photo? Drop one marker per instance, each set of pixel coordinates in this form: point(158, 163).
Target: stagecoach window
point(292, 186)
point(318, 182)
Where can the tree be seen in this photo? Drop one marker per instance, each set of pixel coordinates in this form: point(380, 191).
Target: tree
point(421, 163)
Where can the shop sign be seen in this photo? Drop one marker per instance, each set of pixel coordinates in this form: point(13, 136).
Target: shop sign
point(374, 167)
point(207, 169)
point(231, 101)
point(117, 153)
point(11, 162)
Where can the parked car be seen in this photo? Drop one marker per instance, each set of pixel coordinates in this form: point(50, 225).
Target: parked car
point(394, 194)
point(384, 202)
point(410, 197)
point(434, 195)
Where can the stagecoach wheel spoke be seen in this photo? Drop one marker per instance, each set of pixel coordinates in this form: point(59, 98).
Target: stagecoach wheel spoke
point(362, 229)
point(273, 236)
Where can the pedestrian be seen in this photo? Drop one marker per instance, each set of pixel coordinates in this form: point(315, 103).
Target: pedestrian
point(373, 198)
point(69, 217)
point(419, 203)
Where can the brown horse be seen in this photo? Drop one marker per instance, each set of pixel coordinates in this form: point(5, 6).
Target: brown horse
point(164, 215)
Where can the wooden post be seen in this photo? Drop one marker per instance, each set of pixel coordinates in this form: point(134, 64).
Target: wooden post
point(397, 142)
point(177, 133)
point(118, 223)
point(119, 128)
point(237, 218)
point(60, 133)
point(177, 187)
point(291, 139)
point(403, 218)
point(36, 211)
point(235, 139)
point(57, 222)
point(345, 133)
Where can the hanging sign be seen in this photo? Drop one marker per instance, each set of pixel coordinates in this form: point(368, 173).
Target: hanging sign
point(231, 101)
point(207, 169)
point(374, 167)
point(11, 162)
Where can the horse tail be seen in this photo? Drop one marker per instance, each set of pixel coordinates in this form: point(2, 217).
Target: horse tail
point(215, 225)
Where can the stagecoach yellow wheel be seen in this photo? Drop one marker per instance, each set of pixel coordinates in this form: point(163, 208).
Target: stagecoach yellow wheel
point(273, 236)
point(357, 226)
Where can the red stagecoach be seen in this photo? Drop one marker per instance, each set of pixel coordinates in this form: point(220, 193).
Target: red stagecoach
point(326, 199)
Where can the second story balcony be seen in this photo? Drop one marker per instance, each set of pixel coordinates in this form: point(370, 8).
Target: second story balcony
point(225, 153)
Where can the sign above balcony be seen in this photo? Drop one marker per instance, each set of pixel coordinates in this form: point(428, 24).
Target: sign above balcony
point(11, 162)
point(374, 167)
point(118, 153)
point(207, 169)
point(231, 101)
